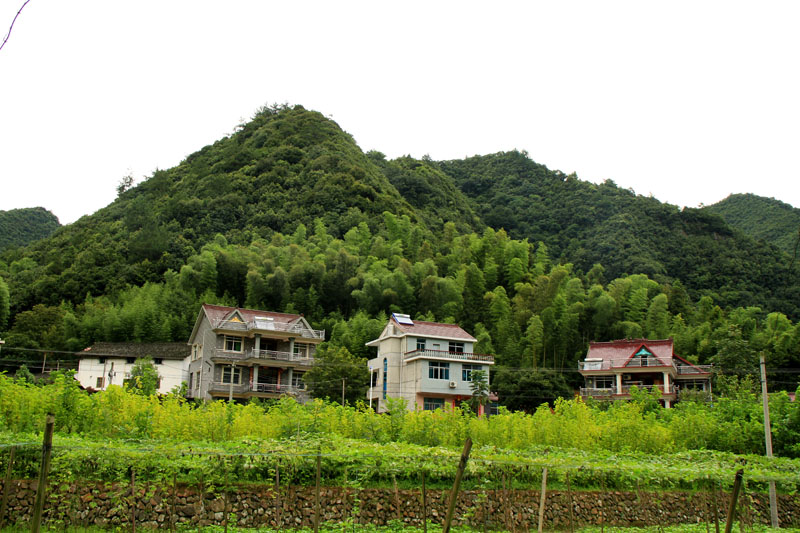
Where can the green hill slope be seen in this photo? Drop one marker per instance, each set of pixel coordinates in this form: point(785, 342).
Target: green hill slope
point(19, 227)
point(761, 218)
point(586, 224)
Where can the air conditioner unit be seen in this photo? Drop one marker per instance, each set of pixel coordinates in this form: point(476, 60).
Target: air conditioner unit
point(452, 384)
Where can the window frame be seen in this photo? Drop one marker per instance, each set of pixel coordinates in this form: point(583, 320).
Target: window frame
point(439, 370)
point(455, 347)
point(234, 339)
point(421, 344)
point(467, 369)
point(432, 404)
point(231, 371)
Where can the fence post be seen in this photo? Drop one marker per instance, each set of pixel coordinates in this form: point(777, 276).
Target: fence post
point(569, 493)
point(44, 470)
point(317, 505)
point(133, 500)
point(737, 486)
point(424, 505)
point(462, 465)
point(7, 485)
point(542, 498)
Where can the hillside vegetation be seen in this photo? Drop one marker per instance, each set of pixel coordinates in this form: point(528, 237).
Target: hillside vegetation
point(19, 227)
point(761, 218)
point(288, 214)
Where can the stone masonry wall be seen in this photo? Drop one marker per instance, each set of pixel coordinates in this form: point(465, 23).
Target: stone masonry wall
point(156, 506)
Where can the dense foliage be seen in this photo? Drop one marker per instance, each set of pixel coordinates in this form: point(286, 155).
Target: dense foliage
point(19, 227)
point(586, 224)
point(732, 424)
point(762, 218)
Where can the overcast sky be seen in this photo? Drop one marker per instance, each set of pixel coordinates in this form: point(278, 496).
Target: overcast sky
point(687, 101)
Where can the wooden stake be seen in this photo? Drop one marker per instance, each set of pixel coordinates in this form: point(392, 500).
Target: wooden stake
point(737, 486)
point(172, 507)
point(542, 498)
point(44, 470)
point(278, 505)
point(716, 508)
point(424, 505)
point(462, 465)
point(397, 509)
point(227, 490)
point(317, 506)
point(133, 500)
point(569, 493)
point(7, 485)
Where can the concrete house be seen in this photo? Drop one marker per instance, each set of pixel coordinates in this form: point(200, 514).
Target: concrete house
point(245, 353)
point(428, 364)
point(110, 363)
point(612, 368)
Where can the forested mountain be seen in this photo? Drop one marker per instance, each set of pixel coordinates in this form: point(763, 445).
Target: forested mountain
point(288, 214)
point(584, 223)
point(19, 227)
point(769, 219)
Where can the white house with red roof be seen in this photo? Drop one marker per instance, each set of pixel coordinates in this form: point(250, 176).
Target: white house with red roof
point(240, 353)
point(428, 364)
point(612, 368)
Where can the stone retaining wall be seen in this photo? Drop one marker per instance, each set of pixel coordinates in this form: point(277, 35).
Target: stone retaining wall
point(82, 504)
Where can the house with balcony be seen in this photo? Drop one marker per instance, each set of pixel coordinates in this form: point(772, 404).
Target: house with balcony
point(610, 369)
point(428, 364)
point(238, 354)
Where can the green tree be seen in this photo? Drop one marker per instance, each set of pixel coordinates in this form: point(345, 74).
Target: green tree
point(5, 304)
point(144, 378)
point(334, 368)
point(480, 390)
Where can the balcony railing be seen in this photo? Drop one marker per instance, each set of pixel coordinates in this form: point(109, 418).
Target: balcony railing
point(641, 363)
point(264, 355)
point(246, 388)
point(696, 369)
point(235, 325)
point(449, 356)
point(273, 355)
point(626, 390)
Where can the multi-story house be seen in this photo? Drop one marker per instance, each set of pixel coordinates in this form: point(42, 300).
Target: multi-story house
point(244, 353)
point(428, 364)
point(612, 368)
point(110, 363)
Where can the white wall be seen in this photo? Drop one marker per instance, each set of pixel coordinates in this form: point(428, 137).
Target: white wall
point(171, 371)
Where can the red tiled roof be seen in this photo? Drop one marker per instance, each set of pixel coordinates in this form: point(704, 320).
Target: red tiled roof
point(620, 351)
point(434, 329)
point(221, 312)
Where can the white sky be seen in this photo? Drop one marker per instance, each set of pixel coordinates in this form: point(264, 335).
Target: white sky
point(687, 101)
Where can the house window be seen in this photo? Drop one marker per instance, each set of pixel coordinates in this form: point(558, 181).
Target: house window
point(191, 379)
point(374, 379)
point(99, 384)
point(467, 370)
point(420, 345)
point(158, 360)
point(604, 383)
point(301, 350)
point(130, 360)
point(101, 360)
point(455, 347)
point(431, 404)
point(438, 370)
point(297, 380)
point(232, 374)
point(233, 344)
point(385, 375)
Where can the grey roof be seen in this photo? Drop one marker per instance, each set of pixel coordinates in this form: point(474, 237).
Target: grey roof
point(156, 350)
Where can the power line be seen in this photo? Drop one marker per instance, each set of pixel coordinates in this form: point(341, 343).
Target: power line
point(5, 40)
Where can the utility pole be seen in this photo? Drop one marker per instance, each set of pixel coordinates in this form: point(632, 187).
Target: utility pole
point(773, 499)
point(230, 388)
point(343, 380)
point(370, 388)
